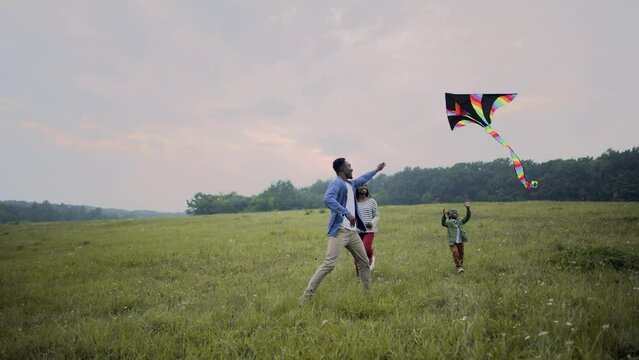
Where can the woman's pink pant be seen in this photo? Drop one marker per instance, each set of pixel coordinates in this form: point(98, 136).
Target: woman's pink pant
point(367, 239)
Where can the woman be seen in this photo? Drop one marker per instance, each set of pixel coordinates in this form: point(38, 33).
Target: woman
point(370, 216)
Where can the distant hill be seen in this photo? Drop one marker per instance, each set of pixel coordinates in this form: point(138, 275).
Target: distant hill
point(20, 211)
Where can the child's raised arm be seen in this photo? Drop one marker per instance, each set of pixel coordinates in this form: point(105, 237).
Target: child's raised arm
point(467, 217)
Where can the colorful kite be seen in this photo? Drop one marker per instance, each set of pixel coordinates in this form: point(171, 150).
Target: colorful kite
point(463, 109)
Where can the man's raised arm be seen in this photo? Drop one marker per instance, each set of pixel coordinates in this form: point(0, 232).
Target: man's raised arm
point(368, 176)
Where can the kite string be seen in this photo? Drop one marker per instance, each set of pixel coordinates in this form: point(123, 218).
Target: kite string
point(519, 167)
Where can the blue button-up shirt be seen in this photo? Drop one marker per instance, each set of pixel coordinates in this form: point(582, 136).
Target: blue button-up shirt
point(335, 199)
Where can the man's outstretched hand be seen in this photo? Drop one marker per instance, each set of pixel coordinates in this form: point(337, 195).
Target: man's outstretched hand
point(380, 166)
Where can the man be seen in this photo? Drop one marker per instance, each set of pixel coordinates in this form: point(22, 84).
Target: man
point(343, 226)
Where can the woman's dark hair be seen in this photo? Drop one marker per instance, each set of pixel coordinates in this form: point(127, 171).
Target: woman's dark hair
point(368, 194)
point(337, 164)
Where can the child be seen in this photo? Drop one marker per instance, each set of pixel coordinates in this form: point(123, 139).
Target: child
point(456, 234)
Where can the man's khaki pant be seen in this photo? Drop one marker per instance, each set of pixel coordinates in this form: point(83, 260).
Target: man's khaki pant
point(352, 242)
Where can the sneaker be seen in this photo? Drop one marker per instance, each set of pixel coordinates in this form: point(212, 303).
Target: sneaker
point(372, 262)
point(305, 299)
point(460, 270)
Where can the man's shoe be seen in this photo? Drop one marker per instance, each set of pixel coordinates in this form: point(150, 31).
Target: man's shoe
point(460, 270)
point(305, 299)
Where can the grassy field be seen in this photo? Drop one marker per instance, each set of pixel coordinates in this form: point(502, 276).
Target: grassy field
point(549, 280)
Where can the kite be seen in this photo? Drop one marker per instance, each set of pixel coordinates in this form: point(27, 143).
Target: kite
point(464, 109)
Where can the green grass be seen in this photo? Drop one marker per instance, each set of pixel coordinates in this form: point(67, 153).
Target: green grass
point(543, 280)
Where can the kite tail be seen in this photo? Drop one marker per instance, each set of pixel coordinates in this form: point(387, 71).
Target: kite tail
point(519, 167)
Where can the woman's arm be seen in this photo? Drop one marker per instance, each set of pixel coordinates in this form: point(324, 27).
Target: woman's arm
point(374, 213)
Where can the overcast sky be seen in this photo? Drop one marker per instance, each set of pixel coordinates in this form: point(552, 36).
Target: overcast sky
point(141, 104)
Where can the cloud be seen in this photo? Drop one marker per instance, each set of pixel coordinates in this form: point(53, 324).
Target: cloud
point(70, 141)
point(336, 14)
point(534, 102)
point(271, 139)
point(285, 15)
point(181, 142)
point(351, 38)
point(143, 140)
point(280, 144)
point(10, 103)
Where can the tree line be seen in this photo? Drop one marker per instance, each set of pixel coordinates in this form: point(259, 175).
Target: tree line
point(613, 176)
point(18, 211)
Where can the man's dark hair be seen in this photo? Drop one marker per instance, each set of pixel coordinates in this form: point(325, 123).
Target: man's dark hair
point(337, 164)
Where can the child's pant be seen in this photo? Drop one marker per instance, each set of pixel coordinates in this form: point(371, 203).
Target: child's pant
point(458, 254)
